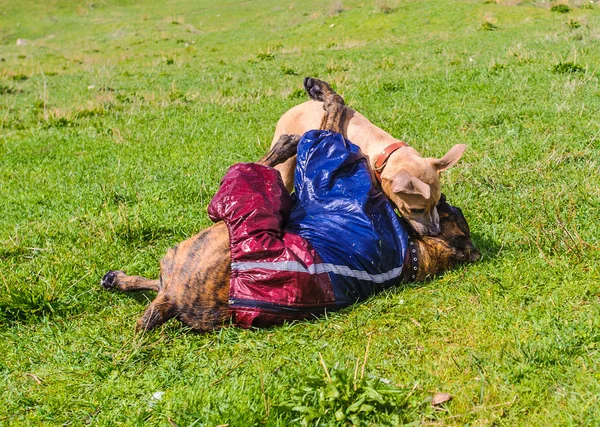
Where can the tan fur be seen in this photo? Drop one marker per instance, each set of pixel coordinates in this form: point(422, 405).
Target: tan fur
point(418, 209)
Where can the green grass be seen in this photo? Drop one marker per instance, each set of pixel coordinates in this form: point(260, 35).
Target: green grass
point(117, 120)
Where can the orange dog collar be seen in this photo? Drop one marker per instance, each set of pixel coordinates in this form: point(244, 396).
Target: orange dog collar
point(384, 155)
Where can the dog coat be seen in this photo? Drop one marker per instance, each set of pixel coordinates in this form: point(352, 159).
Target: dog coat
point(334, 242)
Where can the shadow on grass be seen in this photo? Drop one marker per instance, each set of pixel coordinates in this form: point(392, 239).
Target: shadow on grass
point(27, 305)
point(142, 297)
point(490, 249)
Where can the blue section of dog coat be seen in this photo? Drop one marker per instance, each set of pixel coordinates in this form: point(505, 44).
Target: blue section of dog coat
point(349, 221)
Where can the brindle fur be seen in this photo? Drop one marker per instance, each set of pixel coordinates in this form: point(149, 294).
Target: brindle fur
point(194, 275)
point(451, 247)
point(333, 104)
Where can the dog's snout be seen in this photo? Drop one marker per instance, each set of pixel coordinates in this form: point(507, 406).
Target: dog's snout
point(434, 228)
point(474, 255)
point(426, 230)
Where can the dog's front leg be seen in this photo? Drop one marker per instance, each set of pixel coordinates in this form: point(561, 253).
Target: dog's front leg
point(116, 279)
point(284, 149)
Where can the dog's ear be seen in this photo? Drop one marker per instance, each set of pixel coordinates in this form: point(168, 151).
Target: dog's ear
point(403, 182)
point(450, 158)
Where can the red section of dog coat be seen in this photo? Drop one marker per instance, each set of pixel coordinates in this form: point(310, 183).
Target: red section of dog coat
point(271, 281)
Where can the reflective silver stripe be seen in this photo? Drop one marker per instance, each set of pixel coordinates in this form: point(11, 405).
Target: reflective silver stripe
point(340, 270)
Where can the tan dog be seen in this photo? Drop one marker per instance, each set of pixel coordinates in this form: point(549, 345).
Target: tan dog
point(410, 181)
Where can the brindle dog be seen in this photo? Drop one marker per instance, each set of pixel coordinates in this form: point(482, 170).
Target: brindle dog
point(194, 275)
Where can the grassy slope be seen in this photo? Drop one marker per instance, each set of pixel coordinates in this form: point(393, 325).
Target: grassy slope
point(117, 121)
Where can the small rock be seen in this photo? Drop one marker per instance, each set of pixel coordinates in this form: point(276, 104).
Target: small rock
point(332, 25)
point(22, 42)
point(156, 396)
point(91, 87)
point(440, 398)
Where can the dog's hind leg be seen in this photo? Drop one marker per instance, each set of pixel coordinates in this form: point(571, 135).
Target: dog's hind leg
point(284, 149)
point(333, 104)
point(157, 313)
point(117, 279)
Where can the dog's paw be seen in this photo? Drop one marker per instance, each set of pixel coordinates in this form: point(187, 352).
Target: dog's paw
point(314, 89)
point(109, 281)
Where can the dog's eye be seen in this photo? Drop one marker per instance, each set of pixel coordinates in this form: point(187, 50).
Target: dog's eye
point(417, 211)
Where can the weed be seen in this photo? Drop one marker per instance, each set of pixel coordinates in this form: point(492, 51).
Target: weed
point(496, 67)
point(488, 26)
point(333, 67)
point(573, 23)
point(297, 94)
point(288, 71)
point(177, 95)
point(567, 68)
point(488, 23)
point(265, 56)
point(385, 64)
point(57, 122)
point(19, 77)
point(7, 90)
point(391, 87)
point(339, 397)
point(176, 20)
point(560, 8)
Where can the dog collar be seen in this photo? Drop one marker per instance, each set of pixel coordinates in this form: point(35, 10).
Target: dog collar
point(384, 156)
point(411, 263)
